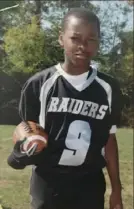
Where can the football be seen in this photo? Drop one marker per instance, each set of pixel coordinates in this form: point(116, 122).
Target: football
point(33, 136)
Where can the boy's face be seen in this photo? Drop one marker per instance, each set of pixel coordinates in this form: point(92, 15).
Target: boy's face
point(80, 41)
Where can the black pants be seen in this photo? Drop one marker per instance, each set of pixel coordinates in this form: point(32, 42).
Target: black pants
point(85, 192)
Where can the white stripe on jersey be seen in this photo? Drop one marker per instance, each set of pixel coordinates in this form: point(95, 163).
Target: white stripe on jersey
point(43, 96)
point(108, 90)
point(113, 129)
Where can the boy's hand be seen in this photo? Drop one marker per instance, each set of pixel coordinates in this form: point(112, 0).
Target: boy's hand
point(116, 200)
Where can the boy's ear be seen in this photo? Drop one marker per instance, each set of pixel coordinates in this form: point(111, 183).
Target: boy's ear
point(60, 40)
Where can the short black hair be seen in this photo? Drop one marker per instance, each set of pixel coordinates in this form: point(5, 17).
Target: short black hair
point(81, 13)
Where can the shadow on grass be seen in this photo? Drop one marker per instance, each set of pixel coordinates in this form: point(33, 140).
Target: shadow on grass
point(3, 207)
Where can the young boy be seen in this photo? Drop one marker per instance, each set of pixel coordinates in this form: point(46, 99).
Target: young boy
point(79, 108)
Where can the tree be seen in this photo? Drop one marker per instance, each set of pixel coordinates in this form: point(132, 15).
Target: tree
point(120, 62)
point(25, 47)
point(30, 47)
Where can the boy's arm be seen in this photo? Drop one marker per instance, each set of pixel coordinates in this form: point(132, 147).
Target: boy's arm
point(111, 149)
point(112, 159)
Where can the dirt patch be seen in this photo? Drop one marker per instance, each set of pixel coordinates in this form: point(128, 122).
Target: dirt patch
point(6, 183)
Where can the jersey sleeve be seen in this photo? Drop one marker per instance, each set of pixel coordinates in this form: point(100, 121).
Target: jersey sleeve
point(29, 106)
point(116, 108)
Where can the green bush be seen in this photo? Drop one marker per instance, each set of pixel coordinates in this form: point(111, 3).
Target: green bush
point(25, 46)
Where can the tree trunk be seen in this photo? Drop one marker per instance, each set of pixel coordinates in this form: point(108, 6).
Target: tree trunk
point(38, 11)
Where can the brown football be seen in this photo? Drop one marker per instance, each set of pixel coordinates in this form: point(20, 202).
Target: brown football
point(33, 133)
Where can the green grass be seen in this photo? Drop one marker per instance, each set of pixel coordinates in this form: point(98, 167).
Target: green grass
point(14, 185)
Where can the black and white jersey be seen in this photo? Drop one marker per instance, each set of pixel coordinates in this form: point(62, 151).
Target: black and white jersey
point(78, 120)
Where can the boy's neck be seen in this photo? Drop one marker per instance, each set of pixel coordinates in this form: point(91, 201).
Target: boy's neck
point(74, 70)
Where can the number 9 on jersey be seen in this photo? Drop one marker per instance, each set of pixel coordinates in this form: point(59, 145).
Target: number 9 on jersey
point(77, 142)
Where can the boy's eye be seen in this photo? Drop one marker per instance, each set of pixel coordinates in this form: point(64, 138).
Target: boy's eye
point(89, 40)
point(92, 39)
point(75, 38)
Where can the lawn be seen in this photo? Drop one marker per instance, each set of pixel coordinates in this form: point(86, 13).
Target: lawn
point(14, 185)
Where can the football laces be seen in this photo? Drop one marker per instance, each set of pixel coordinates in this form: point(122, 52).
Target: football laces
point(27, 127)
